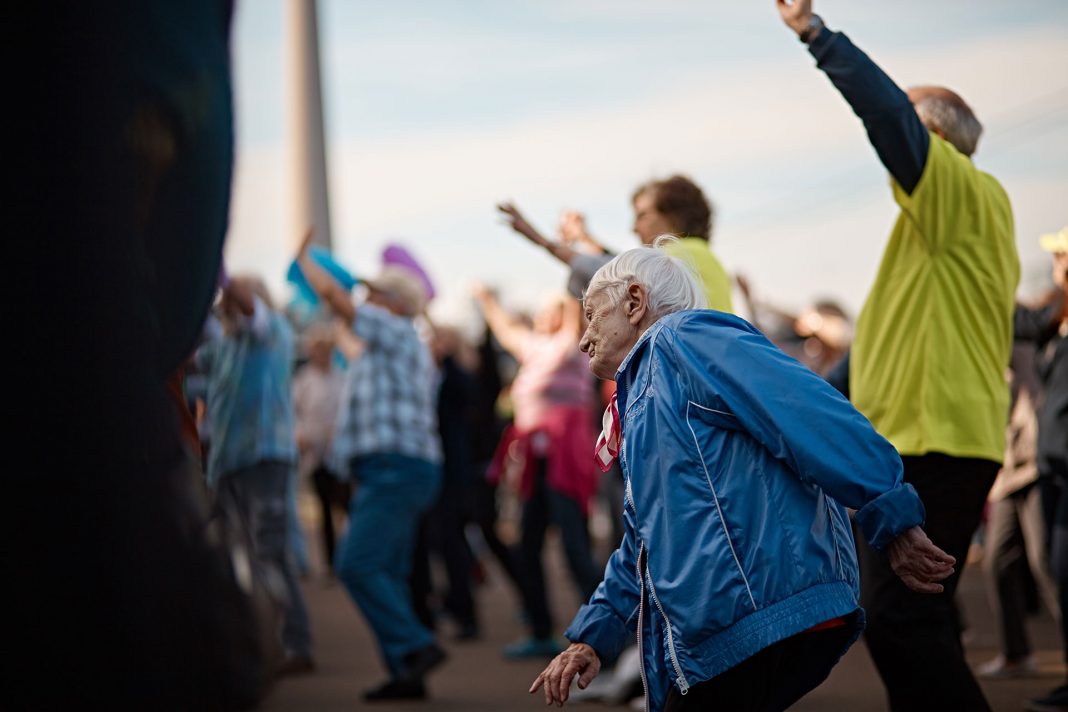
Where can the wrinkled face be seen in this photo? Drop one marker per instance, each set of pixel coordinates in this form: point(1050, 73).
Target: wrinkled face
point(609, 335)
point(649, 223)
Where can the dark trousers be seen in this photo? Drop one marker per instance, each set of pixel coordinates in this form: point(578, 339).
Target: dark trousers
point(257, 493)
point(1015, 548)
point(773, 679)
point(546, 507)
point(914, 638)
point(485, 516)
point(1054, 483)
point(333, 494)
point(441, 533)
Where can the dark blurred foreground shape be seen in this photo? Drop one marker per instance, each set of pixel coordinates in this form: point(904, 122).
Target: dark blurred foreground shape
point(120, 148)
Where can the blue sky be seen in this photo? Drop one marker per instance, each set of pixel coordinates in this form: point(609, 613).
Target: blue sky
point(436, 110)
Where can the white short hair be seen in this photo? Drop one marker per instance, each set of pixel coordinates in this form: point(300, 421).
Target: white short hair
point(669, 281)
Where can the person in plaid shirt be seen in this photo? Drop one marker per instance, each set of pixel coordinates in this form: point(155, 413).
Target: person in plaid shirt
point(387, 440)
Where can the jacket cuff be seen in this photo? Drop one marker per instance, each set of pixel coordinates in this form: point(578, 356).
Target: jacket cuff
point(601, 629)
point(888, 515)
point(819, 47)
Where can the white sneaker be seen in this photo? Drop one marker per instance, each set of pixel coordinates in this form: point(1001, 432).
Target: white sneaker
point(1001, 669)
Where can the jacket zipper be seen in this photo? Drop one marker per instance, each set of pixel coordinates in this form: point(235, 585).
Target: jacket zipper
point(641, 624)
point(628, 495)
point(684, 686)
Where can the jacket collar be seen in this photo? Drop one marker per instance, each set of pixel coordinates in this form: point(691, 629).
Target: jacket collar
point(629, 376)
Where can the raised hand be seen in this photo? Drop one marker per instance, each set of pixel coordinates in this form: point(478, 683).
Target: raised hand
point(578, 660)
point(481, 293)
point(520, 224)
point(918, 562)
point(573, 227)
point(795, 14)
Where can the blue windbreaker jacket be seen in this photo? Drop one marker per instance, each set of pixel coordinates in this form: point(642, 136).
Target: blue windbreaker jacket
point(739, 464)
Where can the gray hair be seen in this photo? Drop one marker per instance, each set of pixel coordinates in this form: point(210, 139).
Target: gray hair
point(949, 114)
point(669, 281)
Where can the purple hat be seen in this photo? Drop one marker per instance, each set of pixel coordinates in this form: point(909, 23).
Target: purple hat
point(397, 255)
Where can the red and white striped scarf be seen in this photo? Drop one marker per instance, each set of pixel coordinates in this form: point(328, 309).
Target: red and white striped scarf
point(611, 437)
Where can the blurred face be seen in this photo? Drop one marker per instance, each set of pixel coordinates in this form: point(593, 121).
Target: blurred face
point(649, 223)
point(1060, 270)
point(549, 318)
point(611, 333)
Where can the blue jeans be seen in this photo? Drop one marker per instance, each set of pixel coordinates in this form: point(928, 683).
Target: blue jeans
point(297, 545)
point(259, 493)
point(374, 560)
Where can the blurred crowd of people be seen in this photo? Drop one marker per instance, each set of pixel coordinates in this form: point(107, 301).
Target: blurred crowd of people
point(200, 413)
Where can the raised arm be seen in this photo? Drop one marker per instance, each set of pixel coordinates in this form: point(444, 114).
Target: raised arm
point(520, 224)
point(509, 333)
point(325, 286)
point(894, 129)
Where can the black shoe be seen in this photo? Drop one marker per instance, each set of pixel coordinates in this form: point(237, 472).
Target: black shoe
point(419, 662)
point(396, 690)
point(1056, 701)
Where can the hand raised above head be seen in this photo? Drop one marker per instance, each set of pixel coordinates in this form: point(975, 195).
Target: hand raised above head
point(573, 227)
point(519, 223)
point(795, 14)
point(480, 291)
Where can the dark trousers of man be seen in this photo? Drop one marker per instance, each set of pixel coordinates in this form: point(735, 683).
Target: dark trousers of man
point(546, 507)
point(441, 532)
point(485, 515)
point(914, 638)
point(773, 679)
point(1054, 484)
point(333, 495)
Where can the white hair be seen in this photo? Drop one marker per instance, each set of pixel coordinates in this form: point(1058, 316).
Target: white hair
point(954, 118)
point(670, 283)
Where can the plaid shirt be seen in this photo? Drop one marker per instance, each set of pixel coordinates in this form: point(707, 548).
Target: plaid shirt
point(388, 400)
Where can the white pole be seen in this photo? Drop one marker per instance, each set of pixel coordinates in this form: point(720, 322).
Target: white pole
point(311, 204)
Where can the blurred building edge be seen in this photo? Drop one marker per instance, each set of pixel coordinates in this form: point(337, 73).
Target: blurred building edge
point(122, 150)
point(311, 202)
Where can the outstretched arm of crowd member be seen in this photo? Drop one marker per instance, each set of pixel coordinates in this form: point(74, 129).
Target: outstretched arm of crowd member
point(509, 333)
point(328, 289)
point(254, 315)
point(520, 224)
point(894, 129)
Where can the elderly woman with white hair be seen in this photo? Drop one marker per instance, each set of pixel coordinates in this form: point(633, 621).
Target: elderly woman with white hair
point(737, 566)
